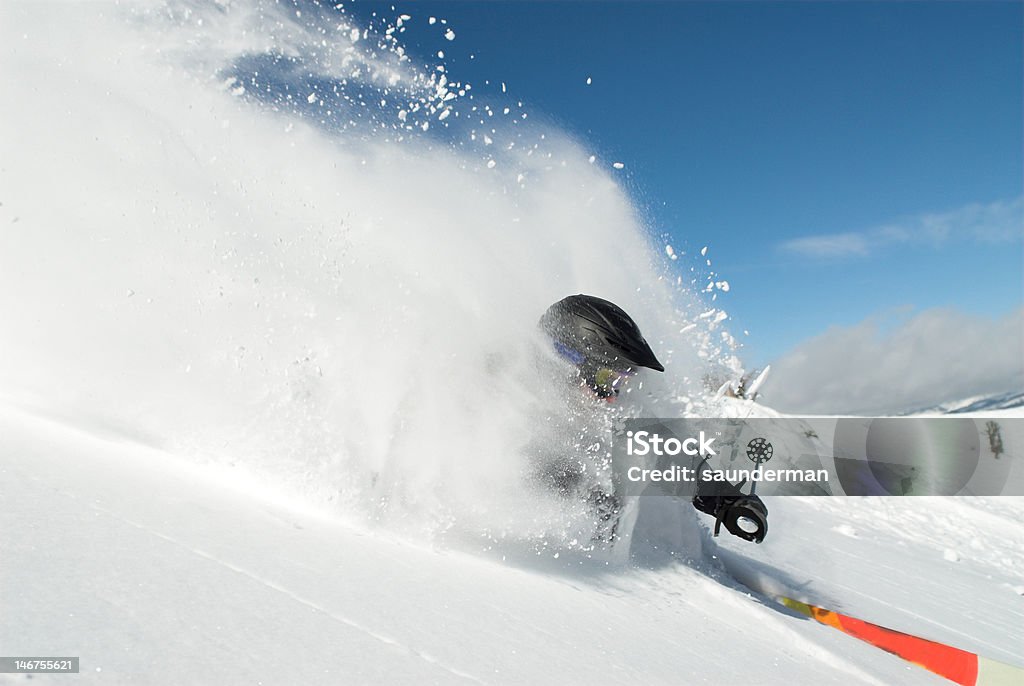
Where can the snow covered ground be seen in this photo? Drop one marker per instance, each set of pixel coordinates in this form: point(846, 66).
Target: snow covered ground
point(155, 571)
point(265, 389)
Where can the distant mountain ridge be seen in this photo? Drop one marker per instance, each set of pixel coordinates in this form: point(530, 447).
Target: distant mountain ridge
point(1000, 401)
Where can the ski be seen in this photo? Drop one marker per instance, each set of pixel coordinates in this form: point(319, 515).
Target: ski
point(959, 666)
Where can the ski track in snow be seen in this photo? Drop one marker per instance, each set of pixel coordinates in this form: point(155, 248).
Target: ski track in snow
point(387, 640)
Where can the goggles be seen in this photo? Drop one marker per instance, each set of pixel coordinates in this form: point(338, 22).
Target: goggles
point(608, 381)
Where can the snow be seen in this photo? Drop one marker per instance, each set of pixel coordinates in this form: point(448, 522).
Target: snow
point(265, 393)
point(154, 571)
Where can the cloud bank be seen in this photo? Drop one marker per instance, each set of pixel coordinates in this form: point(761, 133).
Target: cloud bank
point(936, 356)
point(997, 222)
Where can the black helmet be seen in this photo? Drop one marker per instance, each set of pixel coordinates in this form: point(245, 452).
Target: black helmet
point(594, 333)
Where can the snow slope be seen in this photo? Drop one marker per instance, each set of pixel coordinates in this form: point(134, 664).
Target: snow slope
point(155, 571)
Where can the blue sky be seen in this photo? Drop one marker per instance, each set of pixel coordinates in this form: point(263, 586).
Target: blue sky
point(841, 160)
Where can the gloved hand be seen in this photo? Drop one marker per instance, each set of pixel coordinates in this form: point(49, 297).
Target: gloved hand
point(744, 515)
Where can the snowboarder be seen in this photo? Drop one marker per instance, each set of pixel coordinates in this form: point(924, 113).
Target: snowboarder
point(605, 348)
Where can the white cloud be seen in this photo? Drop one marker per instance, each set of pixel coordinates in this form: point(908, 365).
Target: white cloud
point(834, 245)
point(995, 222)
point(936, 356)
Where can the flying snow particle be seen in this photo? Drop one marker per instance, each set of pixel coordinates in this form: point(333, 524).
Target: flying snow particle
point(491, 164)
point(589, 80)
point(715, 315)
point(432, 21)
point(670, 252)
point(449, 34)
point(704, 251)
point(353, 35)
point(618, 165)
